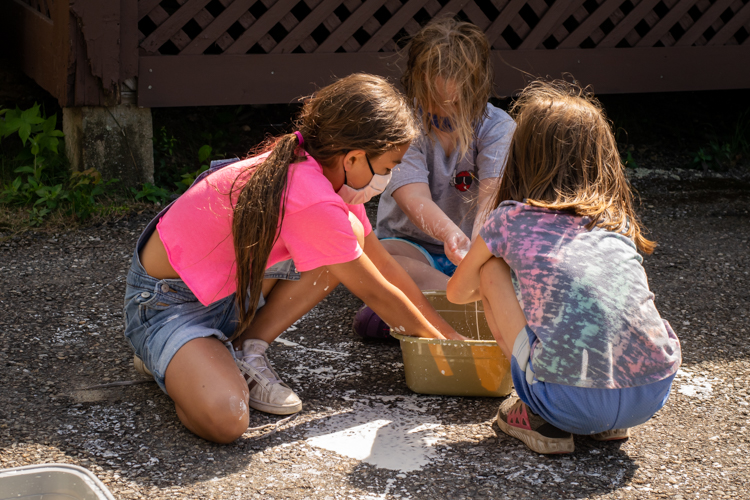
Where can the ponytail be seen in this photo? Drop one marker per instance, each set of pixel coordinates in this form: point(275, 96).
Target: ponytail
point(257, 216)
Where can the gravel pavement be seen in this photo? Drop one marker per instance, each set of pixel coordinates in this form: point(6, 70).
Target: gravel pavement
point(362, 433)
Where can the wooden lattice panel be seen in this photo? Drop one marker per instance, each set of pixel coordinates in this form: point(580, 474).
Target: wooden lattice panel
point(172, 27)
point(41, 6)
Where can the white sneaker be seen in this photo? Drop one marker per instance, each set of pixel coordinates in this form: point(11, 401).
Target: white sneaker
point(140, 366)
point(267, 392)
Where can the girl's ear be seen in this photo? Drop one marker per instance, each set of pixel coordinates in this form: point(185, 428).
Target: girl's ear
point(351, 158)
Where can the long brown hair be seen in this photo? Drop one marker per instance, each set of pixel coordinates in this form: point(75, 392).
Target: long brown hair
point(456, 55)
point(357, 112)
point(563, 156)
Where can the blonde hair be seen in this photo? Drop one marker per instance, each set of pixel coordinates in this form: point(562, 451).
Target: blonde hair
point(359, 111)
point(457, 53)
point(563, 156)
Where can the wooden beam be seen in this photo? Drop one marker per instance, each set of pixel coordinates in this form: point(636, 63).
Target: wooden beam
point(128, 40)
point(275, 78)
point(146, 6)
point(40, 45)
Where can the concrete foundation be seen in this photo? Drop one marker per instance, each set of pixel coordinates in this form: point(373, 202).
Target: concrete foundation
point(116, 141)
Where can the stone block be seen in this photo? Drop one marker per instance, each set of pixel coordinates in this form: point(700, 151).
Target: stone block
point(116, 141)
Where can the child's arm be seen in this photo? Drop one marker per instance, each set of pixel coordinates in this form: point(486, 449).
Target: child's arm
point(416, 202)
point(487, 191)
point(397, 276)
point(463, 287)
point(364, 280)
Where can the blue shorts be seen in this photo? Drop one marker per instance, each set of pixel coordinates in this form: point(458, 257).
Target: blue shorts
point(161, 316)
point(437, 260)
point(582, 410)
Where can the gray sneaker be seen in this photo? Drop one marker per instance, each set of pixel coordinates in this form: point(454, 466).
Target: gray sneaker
point(267, 392)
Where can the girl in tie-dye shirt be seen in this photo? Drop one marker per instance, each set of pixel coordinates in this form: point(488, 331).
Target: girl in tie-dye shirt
point(565, 294)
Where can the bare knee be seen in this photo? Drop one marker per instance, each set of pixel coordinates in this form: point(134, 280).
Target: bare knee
point(359, 230)
point(224, 419)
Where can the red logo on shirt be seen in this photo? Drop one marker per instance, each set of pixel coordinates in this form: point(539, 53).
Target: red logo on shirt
point(462, 181)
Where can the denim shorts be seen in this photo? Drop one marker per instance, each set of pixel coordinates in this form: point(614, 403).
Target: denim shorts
point(438, 261)
point(582, 410)
point(161, 316)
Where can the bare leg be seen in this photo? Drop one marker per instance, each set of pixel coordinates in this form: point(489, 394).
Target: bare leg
point(287, 302)
point(416, 265)
point(209, 393)
point(501, 308)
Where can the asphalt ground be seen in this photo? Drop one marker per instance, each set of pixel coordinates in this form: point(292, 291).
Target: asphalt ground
point(362, 433)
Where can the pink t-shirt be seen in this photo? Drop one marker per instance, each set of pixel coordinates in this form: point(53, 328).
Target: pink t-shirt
point(197, 229)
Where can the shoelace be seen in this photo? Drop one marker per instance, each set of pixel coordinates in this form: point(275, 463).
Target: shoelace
point(247, 358)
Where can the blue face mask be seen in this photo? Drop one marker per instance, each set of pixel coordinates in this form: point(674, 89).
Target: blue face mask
point(441, 123)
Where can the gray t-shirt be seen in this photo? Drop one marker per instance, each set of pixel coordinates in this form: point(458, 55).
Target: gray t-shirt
point(426, 162)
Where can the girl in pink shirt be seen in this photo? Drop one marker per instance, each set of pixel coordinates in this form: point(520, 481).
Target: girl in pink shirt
point(274, 233)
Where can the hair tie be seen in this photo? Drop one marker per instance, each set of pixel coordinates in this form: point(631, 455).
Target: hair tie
point(299, 137)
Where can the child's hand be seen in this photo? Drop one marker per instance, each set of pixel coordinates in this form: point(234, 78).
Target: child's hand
point(456, 247)
point(456, 336)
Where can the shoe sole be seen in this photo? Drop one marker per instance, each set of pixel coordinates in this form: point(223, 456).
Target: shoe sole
point(544, 447)
point(274, 409)
point(608, 436)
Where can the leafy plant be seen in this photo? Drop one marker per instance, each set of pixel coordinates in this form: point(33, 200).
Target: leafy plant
point(628, 161)
point(204, 154)
point(723, 153)
point(33, 127)
point(40, 140)
point(36, 216)
point(727, 150)
point(164, 143)
point(37, 185)
point(50, 196)
point(150, 192)
point(85, 188)
point(703, 159)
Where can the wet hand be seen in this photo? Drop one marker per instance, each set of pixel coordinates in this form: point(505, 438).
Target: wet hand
point(456, 247)
point(456, 336)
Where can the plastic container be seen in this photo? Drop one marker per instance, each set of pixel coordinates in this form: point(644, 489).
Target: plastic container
point(51, 482)
point(475, 367)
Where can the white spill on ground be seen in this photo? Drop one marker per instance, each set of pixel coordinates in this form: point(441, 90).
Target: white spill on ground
point(390, 432)
point(397, 437)
point(694, 384)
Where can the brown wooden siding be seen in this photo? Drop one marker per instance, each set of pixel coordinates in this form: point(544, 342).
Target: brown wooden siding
point(200, 52)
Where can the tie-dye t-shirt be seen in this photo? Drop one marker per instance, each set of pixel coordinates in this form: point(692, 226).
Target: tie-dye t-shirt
point(586, 296)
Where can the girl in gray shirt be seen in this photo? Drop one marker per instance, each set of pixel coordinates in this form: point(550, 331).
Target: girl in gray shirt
point(428, 214)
